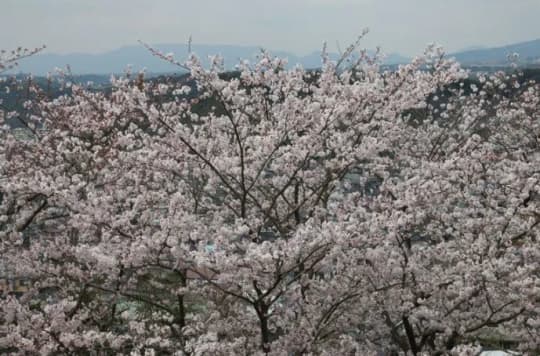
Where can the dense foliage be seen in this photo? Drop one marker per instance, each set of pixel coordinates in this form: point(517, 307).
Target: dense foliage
point(340, 212)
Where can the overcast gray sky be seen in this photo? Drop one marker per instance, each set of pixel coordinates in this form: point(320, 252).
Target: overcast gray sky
point(299, 26)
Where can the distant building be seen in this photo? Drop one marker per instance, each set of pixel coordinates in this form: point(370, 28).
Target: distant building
point(9, 284)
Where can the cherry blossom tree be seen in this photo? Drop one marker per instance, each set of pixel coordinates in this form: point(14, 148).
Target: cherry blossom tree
point(345, 211)
point(9, 59)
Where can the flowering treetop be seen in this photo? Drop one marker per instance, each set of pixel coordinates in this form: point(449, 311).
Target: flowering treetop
point(234, 216)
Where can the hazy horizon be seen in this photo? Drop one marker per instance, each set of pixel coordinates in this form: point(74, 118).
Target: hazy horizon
point(333, 48)
point(300, 26)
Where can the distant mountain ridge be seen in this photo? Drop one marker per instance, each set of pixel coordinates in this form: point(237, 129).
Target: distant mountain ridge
point(116, 61)
point(138, 57)
point(529, 53)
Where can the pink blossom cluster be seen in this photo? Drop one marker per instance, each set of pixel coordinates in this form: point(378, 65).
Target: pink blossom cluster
point(233, 217)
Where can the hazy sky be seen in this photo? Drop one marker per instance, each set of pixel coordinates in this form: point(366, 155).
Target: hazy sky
point(300, 26)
